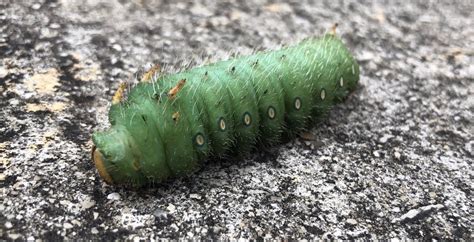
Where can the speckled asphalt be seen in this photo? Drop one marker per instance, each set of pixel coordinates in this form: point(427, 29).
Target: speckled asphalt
point(394, 160)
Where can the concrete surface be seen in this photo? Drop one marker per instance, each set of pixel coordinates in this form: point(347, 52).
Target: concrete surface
point(395, 160)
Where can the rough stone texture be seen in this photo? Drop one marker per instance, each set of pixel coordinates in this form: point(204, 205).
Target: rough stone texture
point(395, 160)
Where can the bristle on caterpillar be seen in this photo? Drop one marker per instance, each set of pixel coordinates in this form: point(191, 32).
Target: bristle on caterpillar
point(151, 73)
point(118, 95)
point(173, 91)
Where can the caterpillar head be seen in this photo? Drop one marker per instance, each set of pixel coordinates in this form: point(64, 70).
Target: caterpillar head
point(113, 156)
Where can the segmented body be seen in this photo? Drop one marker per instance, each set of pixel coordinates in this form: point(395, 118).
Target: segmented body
point(171, 123)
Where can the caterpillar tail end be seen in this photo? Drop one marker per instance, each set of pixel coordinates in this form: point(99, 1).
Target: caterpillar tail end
point(98, 159)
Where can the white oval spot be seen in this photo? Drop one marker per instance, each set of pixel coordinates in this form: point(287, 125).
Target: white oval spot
point(341, 82)
point(222, 124)
point(199, 139)
point(247, 119)
point(297, 103)
point(271, 112)
point(323, 94)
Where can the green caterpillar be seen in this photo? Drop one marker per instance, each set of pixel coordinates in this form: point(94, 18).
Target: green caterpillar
point(171, 123)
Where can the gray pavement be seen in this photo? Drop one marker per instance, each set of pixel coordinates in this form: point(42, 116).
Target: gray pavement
point(394, 160)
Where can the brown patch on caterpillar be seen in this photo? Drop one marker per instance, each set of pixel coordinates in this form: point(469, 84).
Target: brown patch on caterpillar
point(118, 96)
point(148, 76)
point(99, 164)
point(175, 116)
point(333, 29)
point(173, 91)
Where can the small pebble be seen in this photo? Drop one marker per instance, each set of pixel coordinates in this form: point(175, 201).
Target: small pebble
point(113, 196)
point(67, 225)
point(376, 154)
point(171, 208)
point(351, 221)
point(397, 155)
point(117, 47)
point(36, 6)
point(8, 225)
point(385, 138)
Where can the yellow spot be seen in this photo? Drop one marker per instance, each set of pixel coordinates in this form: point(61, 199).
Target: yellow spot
point(53, 107)
point(278, 8)
point(148, 76)
point(175, 116)
point(379, 15)
point(3, 145)
point(85, 69)
point(43, 83)
point(118, 96)
point(172, 93)
point(99, 164)
point(49, 136)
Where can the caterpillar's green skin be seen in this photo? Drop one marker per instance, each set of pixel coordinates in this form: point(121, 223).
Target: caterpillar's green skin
point(226, 106)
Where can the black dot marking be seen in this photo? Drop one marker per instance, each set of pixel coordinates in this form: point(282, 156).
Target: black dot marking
point(322, 95)
point(297, 103)
point(144, 118)
point(199, 140)
point(271, 112)
point(221, 124)
point(247, 119)
point(232, 69)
